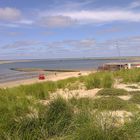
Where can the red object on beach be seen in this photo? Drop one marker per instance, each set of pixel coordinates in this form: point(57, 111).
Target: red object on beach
point(41, 77)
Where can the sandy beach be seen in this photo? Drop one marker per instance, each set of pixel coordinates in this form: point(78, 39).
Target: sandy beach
point(52, 77)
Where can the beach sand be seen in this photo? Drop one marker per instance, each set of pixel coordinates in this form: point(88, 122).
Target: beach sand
point(59, 76)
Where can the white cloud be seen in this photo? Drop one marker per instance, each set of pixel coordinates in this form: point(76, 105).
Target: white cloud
point(67, 18)
point(77, 48)
point(102, 16)
point(56, 21)
point(9, 14)
point(56, 45)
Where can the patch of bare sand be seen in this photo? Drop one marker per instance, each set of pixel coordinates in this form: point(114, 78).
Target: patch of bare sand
point(81, 93)
point(125, 97)
point(121, 116)
point(138, 106)
point(116, 118)
point(127, 86)
point(121, 113)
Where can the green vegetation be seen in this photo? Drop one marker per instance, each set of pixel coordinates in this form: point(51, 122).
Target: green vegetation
point(58, 116)
point(61, 119)
point(36, 90)
point(82, 103)
point(70, 83)
point(112, 92)
point(103, 103)
point(97, 126)
point(93, 81)
point(136, 97)
point(99, 80)
point(131, 129)
point(110, 103)
point(129, 76)
point(24, 117)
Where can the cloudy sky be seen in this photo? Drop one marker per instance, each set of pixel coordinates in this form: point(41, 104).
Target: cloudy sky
point(41, 29)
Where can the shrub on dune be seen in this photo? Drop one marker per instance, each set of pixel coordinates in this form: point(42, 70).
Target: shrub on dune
point(99, 80)
point(92, 81)
point(36, 90)
point(96, 126)
point(107, 81)
point(110, 103)
point(112, 92)
point(58, 116)
point(129, 76)
point(135, 98)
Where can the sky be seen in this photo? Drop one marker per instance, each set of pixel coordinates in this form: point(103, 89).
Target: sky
point(46, 29)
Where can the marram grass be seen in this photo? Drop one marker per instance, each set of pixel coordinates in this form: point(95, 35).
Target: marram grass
point(23, 117)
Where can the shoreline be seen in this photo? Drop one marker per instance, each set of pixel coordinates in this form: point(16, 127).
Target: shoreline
point(59, 76)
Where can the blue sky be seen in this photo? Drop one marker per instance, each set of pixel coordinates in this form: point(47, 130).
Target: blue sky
point(41, 29)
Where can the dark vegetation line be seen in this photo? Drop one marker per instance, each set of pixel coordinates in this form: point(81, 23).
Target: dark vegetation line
point(38, 69)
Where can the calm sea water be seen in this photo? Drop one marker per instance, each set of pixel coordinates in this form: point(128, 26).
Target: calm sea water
point(9, 75)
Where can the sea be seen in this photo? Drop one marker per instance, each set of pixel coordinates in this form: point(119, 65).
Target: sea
point(6, 74)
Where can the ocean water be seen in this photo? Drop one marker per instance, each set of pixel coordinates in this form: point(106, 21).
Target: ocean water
point(82, 64)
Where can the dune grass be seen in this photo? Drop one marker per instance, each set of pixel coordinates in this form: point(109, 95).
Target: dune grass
point(131, 129)
point(129, 76)
point(110, 103)
point(101, 126)
point(97, 126)
point(82, 103)
point(58, 116)
point(23, 117)
point(112, 92)
point(61, 120)
point(135, 97)
point(13, 107)
point(103, 103)
point(99, 80)
point(50, 121)
point(36, 90)
point(66, 83)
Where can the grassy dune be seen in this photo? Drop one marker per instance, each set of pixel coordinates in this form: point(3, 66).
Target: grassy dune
point(25, 117)
point(129, 76)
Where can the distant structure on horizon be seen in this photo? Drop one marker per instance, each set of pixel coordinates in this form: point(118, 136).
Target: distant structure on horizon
point(118, 66)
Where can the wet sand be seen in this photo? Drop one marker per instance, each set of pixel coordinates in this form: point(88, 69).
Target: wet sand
point(58, 76)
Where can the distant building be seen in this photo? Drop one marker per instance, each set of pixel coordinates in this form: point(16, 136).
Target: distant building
point(118, 66)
